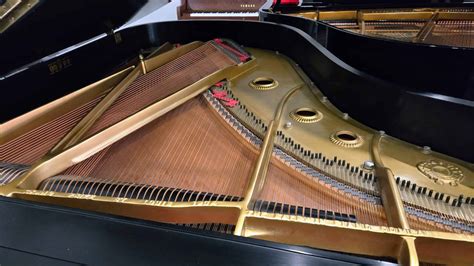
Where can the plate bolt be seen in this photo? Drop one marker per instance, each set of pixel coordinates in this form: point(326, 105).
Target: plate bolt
point(369, 165)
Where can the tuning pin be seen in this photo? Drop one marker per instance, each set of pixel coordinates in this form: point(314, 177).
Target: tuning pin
point(455, 202)
point(460, 200)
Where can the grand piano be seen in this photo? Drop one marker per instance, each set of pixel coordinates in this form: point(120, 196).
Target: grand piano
point(215, 9)
point(218, 141)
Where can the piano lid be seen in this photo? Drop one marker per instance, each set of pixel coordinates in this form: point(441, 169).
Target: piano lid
point(32, 29)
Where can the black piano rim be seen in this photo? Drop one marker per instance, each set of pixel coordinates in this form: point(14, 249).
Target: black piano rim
point(86, 237)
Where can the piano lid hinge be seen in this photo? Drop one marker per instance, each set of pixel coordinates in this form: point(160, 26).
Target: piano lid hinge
point(117, 36)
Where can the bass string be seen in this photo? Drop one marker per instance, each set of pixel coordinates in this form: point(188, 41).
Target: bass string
point(31, 146)
point(162, 82)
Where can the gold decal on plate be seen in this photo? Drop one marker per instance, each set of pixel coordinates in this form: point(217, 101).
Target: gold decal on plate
point(81, 196)
point(441, 172)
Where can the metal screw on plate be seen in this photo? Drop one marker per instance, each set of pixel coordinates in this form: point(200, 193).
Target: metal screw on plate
point(345, 116)
point(288, 125)
point(426, 149)
point(368, 165)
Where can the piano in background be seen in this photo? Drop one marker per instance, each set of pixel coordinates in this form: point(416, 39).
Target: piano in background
point(447, 24)
point(219, 9)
